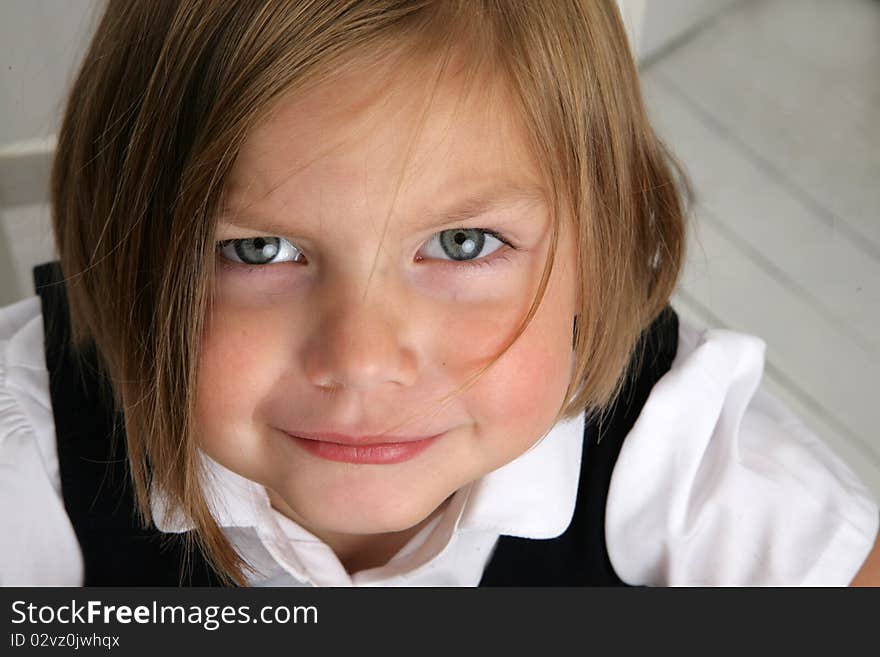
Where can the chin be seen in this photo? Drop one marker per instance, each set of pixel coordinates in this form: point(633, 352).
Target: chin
point(363, 517)
point(376, 524)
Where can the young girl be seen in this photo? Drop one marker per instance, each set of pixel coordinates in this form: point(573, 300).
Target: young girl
point(376, 293)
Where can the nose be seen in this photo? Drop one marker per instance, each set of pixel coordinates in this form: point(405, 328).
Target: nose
point(359, 342)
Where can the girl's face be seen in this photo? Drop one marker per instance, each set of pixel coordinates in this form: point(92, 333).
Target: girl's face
point(402, 242)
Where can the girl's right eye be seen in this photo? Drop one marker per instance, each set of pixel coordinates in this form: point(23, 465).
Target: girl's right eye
point(256, 251)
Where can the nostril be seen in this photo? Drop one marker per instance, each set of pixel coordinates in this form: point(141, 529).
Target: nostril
point(333, 368)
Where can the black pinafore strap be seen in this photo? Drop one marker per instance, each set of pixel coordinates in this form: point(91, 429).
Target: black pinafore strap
point(95, 483)
point(579, 556)
point(99, 500)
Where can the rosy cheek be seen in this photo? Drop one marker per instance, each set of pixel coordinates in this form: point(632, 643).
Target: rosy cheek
point(231, 367)
point(525, 387)
point(518, 397)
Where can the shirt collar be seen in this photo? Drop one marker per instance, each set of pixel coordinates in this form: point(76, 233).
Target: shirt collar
point(533, 496)
point(235, 501)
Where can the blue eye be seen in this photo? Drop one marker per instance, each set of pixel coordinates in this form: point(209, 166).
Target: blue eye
point(257, 251)
point(464, 244)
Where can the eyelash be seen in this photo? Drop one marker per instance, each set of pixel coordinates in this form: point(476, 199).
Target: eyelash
point(501, 254)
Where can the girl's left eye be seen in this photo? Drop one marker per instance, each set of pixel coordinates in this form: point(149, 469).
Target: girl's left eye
point(462, 245)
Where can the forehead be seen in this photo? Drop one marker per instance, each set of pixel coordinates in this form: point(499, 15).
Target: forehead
point(389, 130)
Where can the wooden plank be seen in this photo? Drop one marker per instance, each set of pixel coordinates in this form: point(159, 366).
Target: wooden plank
point(794, 84)
point(766, 223)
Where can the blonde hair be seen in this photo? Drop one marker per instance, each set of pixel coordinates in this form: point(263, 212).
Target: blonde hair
point(165, 97)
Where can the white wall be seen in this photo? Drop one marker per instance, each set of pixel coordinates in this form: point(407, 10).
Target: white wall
point(654, 24)
point(41, 43)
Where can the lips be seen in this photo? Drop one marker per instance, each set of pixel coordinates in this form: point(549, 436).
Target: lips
point(360, 440)
point(365, 450)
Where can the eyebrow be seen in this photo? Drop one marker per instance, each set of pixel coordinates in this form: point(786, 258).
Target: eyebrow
point(493, 199)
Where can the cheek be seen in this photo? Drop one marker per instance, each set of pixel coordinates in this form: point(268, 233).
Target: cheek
point(518, 397)
point(240, 358)
point(228, 367)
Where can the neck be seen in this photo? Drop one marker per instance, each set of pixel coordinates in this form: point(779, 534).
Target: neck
point(358, 552)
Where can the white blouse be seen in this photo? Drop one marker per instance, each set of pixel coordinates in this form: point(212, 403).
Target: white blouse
point(716, 484)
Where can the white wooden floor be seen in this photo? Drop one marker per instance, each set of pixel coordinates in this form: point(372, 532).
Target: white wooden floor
point(774, 108)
